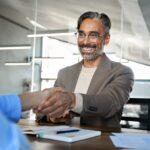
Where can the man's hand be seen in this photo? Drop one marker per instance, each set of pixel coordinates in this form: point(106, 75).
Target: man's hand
point(57, 104)
point(47, 93)
point(65, 118)
point(42, 96)
point(31, 100)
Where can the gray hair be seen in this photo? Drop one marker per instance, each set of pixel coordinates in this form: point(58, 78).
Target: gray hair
point(102, 17)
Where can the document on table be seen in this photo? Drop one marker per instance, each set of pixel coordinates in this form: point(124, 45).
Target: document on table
point(131, 140)
point(37, 129)
point(61, 133)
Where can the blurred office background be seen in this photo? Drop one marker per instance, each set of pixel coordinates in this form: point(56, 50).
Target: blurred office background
point(37, 39)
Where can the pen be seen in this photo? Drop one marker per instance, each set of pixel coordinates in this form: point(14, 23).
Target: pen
point(67, 131)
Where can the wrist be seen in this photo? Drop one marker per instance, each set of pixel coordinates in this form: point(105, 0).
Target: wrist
point(73, 100)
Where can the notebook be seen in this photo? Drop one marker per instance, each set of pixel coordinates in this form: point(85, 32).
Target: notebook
point(63, 133)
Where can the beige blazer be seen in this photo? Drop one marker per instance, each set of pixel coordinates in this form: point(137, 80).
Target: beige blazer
point(108, 91)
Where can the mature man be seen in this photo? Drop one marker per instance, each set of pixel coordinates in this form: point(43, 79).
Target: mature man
point(96, 87)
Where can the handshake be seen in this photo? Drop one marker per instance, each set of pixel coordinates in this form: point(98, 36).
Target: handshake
point(55, 103)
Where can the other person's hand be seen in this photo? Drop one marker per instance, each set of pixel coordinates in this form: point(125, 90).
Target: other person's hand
point(57, 104)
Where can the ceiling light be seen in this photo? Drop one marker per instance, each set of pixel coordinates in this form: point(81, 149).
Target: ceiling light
point(15, 47)
point(50, 34)
point(34, 23)
point(17, 64)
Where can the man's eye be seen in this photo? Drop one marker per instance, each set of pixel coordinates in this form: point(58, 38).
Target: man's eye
point(95, 35)
point(81, 34)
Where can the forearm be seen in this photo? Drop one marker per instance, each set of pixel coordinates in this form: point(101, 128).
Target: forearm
point(31, 100)
point(105, 104)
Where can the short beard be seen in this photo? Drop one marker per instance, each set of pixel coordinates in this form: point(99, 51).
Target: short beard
point(92, 56)
point(89, 57)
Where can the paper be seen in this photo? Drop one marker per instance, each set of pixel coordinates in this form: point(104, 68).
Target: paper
point(131, 140)
point(37, 129)
point(51, 132)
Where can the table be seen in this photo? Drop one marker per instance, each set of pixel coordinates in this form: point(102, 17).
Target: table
point(102, 142)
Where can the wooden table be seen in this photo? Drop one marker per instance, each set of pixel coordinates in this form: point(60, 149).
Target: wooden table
point(102, 142)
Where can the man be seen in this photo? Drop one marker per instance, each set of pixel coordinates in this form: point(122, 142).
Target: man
point(96, 88)
point(10, 113)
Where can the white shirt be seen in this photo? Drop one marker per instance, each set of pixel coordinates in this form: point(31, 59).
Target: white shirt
point(82, 86)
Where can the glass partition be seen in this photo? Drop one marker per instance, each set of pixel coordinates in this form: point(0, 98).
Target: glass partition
point(15, 46)
point(37, 39)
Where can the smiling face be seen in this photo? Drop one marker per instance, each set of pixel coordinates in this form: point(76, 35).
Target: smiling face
point(91, 39)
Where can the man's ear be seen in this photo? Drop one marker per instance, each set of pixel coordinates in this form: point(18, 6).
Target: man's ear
point(107, 39)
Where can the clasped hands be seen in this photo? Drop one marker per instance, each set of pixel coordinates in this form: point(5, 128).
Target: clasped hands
point(56, 104)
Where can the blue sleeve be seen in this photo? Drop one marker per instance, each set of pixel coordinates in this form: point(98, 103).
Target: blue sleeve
point(10, 106)
point(11, 136)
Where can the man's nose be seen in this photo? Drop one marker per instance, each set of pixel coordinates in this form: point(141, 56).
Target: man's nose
point(86, 39)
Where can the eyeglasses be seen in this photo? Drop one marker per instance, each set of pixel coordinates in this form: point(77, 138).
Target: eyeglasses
point(92, 36)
